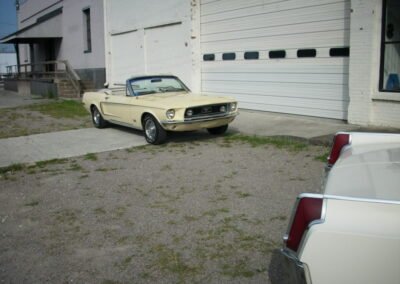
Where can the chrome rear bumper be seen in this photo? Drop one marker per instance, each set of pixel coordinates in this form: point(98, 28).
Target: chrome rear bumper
point(294, 269)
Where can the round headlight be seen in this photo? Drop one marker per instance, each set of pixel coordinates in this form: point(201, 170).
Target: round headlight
point(233, 106)
point(170, 113)
point(189, 112)
point(222, 108)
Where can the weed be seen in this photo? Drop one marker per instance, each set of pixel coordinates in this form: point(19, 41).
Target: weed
point(42, 164)
point(32, 204)
point(241, 194)
point(91, 157)
point(75, 167)
point(278, 218)
point(11, 169)
point(100, 210)
point(323, 158)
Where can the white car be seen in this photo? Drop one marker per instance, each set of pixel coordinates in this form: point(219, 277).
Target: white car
point(351, 232)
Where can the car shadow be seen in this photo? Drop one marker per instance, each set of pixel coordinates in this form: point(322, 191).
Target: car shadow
point(178, 137)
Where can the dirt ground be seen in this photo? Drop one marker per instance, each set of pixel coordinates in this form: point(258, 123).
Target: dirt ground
point(211, 211)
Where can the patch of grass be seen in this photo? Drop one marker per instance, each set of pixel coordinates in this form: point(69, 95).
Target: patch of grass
point(60, 109)
point(125, 262)
point(43, 164)
point(279, 142)
point(323, 158)
point(278, 218)
point(32, 204)
point(165, 168)
point(75, 167)
point(241, 194)
point(239, 269)
point(99, 211)
point(91, 157)
point(11, 169)
point(168, 260)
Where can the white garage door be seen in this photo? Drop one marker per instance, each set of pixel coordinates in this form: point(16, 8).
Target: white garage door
point(167, 51)
point(283, 56)
point(152, 50)
point(127, 57)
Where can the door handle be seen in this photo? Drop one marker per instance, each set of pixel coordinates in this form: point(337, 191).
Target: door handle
point(106, 98)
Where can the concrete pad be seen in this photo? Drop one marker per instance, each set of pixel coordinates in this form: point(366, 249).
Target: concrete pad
point(276, 124)
point(65, 144)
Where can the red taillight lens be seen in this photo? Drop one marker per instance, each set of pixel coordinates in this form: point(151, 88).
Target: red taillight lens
point(308, 209)
point(340, 140)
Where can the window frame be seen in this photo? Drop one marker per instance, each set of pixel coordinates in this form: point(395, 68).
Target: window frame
point(87, 33)
point(382, 53)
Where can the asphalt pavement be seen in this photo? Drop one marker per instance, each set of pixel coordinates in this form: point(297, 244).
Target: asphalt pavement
point(47, 146)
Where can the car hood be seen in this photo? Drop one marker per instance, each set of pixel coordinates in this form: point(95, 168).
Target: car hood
point(373, 175)
point(182, 100)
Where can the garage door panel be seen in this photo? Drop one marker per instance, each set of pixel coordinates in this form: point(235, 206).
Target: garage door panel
point(293, 102)
point(213, 7)
point(308, 91)
point(305, 40)
point(312, 14)
point(333, 25)
point(315, 65)
point(331, 79)
point(336, 114)
point(276, 7)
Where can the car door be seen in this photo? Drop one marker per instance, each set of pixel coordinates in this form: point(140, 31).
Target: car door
point(117, 107)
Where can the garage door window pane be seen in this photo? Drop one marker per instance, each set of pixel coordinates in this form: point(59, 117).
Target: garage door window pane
point(339, 52)
point(390, 47)
point(251, 55)
point(209, 57)
point(229, 56)
point(277, 54)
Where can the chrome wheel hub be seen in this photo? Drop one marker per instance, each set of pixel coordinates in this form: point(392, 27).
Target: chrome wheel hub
point(96, 116)
point(150, 129)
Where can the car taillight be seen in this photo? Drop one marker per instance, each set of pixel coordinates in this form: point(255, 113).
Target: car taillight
point(340, 140)
point(308, 210)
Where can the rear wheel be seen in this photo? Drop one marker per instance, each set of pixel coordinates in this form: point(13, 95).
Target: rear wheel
point(218, 130)
point(153, 131)
point(97, 119)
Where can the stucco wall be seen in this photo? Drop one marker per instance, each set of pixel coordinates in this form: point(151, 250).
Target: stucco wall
point(72, 45)
point(368, 106)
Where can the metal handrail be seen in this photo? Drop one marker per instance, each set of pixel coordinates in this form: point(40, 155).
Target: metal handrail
point(53, 69)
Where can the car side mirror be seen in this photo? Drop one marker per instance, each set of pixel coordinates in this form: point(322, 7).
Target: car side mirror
point(106, 85)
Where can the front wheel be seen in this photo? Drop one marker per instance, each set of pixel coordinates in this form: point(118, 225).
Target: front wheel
point(153, 132)
point(97, 119)
point(218, 130)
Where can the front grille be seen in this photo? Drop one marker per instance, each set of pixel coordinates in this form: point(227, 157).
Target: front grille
point(208, 110)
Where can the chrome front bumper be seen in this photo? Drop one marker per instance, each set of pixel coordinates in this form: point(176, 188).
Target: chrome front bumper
point(294, 269)
point(199, 119)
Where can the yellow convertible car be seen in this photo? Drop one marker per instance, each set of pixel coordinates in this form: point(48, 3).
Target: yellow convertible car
point(157, 104)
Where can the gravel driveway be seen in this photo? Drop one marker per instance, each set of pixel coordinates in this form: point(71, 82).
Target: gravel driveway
point(210, 211)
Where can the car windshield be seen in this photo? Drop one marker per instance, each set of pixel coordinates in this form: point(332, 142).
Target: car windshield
point(154, 85)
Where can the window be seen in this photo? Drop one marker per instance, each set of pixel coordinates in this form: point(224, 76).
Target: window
point(209, 57)
point(339, 52)
point(390, 47)
point(251, 55)
point(306, 53)
point(87, 31)
point(229, 56)
point(277, 54)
